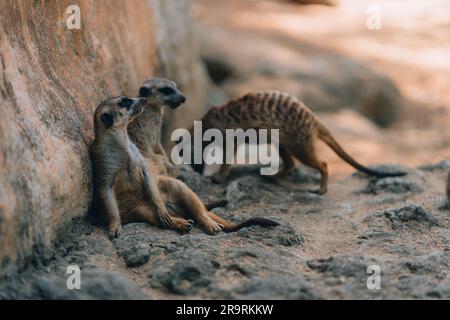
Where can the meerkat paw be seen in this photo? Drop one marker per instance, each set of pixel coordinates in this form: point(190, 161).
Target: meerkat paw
point(318, 191)
point(187, 226)
point(212, 227)
point(114, 230)
point(165, 219)
point(182, 225)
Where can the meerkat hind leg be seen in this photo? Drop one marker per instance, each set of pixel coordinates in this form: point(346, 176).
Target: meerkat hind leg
point(308, 157)
point(145, 214)
point(184, 198)
point(225, 169)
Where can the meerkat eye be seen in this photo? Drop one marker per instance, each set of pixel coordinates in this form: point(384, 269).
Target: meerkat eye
point(144, 92)
point(166, 90)
point(126, 103)
point(107, 119)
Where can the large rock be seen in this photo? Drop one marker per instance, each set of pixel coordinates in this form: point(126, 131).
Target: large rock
point(51, 79)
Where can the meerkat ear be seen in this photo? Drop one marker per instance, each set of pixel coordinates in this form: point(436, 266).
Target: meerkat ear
point(143, 92)
point(107, 119)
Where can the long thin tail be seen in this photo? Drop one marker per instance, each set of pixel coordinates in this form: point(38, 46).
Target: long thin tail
point(232, 227)
point(325, 136)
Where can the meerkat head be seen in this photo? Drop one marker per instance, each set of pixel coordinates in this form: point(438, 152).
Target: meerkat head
point(161, 91)
point(117, 112)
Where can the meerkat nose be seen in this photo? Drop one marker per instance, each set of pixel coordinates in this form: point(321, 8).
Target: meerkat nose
point(183, 99)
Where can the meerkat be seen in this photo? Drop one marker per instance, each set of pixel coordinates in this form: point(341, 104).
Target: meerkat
point(298, 128)
point(145, 130)
point(127, 190)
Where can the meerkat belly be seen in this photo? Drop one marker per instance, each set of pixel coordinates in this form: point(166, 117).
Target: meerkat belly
point(128, 187)
point(285, 132)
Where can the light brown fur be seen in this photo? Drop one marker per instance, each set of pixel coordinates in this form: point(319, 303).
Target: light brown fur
point(145, 130)
point(127, 187)
point(298, 130)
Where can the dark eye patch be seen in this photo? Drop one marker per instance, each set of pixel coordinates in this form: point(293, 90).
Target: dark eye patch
point(107, 119)
point(166, 90)
point(143, 92)
point(126, 103)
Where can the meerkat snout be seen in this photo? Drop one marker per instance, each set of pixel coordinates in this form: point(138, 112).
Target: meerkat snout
point(160, 91)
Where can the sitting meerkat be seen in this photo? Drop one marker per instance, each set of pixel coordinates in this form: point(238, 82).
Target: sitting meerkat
point(127, 190)
point(298, 130)
point(145, 131)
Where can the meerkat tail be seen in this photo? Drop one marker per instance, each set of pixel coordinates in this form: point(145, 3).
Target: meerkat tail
point(216, 204)
point(325, 136)
point(232, 227)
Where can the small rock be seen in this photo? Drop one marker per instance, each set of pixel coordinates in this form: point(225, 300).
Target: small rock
point(391, 185)
point(347, 266)
point(409, 213)
point(240, 189)
point(137, 255)
point(243, 232)
point(434, 262)
point(188, 275)
point(95, 284)
point(283, 235)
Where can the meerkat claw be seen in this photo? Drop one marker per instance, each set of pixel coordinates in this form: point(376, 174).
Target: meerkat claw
point(165, 220)
point(114, 232)
point(189, 225)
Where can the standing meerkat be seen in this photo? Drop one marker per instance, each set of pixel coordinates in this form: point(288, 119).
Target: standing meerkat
point(145, 131)
point(298, 130)
point(127, 190)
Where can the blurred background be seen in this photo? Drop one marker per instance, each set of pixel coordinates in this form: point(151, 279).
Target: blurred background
point(383, 92)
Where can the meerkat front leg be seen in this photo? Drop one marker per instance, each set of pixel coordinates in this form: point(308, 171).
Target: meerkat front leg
point(154, 198)
point(108, 199)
